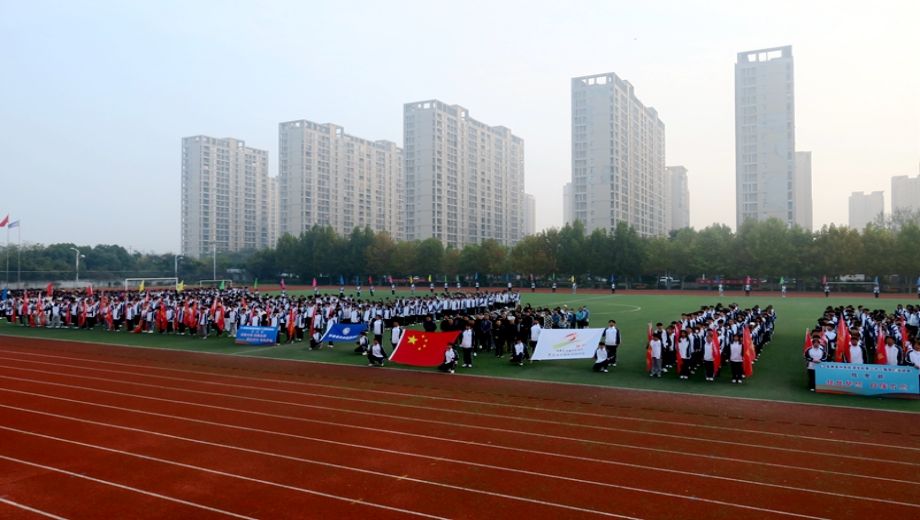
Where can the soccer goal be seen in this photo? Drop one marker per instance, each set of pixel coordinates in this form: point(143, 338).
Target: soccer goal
point(226, 283)
point(142, 284)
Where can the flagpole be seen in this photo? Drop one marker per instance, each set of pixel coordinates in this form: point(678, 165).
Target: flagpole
point(7, 279)
point(19, 255)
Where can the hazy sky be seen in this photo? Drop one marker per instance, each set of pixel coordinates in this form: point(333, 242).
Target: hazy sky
point(95, 96)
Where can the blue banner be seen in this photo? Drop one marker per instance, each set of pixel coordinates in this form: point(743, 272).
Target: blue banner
point(344, 332)
point(256, 335)
point(3, 295)
point(877, 380)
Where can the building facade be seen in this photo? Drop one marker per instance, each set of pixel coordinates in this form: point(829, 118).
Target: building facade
point(678, 203)
point(464, 178)
point(568, 211)
point(226, 195)
point(618, 155)
point(866, 208)
point(905, 194)
point(802, 187)
point(329, 178)
point(530, 215)
point(765, 136)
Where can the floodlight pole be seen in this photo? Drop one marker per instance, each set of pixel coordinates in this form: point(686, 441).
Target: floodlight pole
point(214, 262)
point(176, 267)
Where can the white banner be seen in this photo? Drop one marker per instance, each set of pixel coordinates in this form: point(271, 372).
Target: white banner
point(567, 344)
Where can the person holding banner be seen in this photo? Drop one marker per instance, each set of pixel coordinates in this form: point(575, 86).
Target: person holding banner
point(517, 353)
point(857, 353)
point(466, 345)
point(893, 354)
point(600, 359)
point(814, 355)
point(612, 341)
point(450, 360)
point(913, 357)
point(376, 355)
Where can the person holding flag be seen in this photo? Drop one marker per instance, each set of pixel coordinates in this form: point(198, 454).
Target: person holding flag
point(376, 355)
point(856, 353)
point(815, 354)
point(712, 355)
point(888, 352)
point(450, 360)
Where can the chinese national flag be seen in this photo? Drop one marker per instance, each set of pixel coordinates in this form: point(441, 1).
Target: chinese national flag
point(748, 352)
point(422, 349)
point(881, 355)
point(648, 350)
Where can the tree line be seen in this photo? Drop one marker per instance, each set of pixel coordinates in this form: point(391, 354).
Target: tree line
point(767, 249)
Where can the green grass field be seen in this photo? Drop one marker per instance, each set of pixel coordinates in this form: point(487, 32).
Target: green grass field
point(779, 375)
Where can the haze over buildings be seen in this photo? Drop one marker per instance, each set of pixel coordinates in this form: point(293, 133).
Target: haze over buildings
point(866, 208)
point(905, 193)
point(802, 191)
point(678, 202)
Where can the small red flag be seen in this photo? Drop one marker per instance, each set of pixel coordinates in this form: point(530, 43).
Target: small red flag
point(282, 284)
point(50, 289)
point(747, 352)
point(843, 342)
point(716, 353)
point(314, 284)
point(648, 350)
point(5, 221)
point(808, 342)
point(881, 352)
point(422, 349)
point(89, 290)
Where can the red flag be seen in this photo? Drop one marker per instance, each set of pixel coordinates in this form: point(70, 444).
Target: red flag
point(905, 341)
point(680, 360)
point(648, 350)
point(312, 319)
point(314, 284)
point(843, 342)
point(81, 319)
point(881, 353)
point(808, 343)
point(290, 324)
point(89, 290)
point(747, 352)
point(370, 281)
point(50, 289)
point(422, 349)
point(5, 221)
point(716, 353)
point(282, 284)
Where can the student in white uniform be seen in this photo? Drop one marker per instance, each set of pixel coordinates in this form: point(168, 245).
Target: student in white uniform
point(612, 341)
point(856, 353)
point(600, 358)
point(466, 346)
point(450, 360)
point(395, 334)
point(736, 359)
point(893, 353)
point(814, 356)
point(655, 346)
point(517, 356)
point(376, 355)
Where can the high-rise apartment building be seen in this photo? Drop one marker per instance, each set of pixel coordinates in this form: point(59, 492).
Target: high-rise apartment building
point(678, 203)
point(802, 188)
point(765, 184)
point(905, 194)
point(329, 178)
point(618, 154)
point(464, 178)
point(530, 215)
point(225, 196)
point(866, 208)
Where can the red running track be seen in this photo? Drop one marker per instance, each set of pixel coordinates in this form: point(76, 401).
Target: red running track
point(91, 431)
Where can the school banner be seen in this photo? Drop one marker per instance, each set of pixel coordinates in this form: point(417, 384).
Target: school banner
point(877, 380)
point(567, 344)
point(256, 336)
point(344, 332)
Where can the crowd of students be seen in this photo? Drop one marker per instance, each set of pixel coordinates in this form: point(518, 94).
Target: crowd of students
point(863, 336)
point(705, 340)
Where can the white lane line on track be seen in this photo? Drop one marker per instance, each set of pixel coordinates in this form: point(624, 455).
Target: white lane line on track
point(30, 509)
point(428, 421)
point(417, 396)
point(689, 392)
point(478, 414)
point(440, 459)
point(310, 491)
point(378, 431)
point(125, 487)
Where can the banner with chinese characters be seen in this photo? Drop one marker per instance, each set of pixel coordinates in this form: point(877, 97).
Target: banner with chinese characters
point(876, 380)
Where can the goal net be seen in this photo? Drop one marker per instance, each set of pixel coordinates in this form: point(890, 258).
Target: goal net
point(225, 283)
point(143, 284)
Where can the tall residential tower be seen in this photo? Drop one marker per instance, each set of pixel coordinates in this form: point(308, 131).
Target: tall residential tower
point(765, 161)
point(464, 178)
point(226, 196)
point(618, 154)
point(330, 178)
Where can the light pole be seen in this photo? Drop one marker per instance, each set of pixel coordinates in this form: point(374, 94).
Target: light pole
point(214, 262)
point(176, 266)
point(77, 255)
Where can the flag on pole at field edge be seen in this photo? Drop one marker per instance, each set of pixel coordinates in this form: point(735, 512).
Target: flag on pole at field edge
point(429, 278)
point(747, 352)
point(15, 223)
point(4, 294)
point(881, 352)
point(5, 221)
point(344, 332)
point(49, 290)
point(282, 284)
point(824, 280)
point(141, 287)
point(314, 283)
point(648, 350)
point(572, 278)
point(782, 280)
point(221, 287)
point(341, 280)
point(808, 343)
point(422, 349)
point(180, 286)
point(89, 290)
point(255, 283)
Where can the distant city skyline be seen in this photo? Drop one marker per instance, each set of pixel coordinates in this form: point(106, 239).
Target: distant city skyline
point(102, 93)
